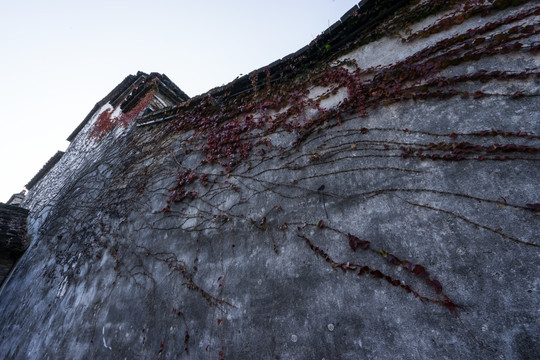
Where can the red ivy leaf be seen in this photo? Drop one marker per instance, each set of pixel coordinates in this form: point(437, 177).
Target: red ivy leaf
point(408, 265)
point(363, 270)
point(478, 94)
point(419, 270)
point(450, 305)
point(437, 285)
point(354, 242)
point(534, 207)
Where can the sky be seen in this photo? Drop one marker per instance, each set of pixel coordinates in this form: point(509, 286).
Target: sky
point(59, 58)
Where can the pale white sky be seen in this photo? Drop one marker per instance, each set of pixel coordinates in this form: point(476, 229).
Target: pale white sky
point(60, 57)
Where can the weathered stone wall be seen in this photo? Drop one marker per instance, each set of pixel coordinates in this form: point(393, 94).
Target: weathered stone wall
point(387, 212)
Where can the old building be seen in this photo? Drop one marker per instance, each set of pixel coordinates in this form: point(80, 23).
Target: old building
point(16, 199)
point(13, 238)
point(373, 195)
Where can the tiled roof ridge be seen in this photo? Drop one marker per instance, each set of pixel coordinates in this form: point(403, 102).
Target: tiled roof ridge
point(115, 93)
point(338, 35)
point(122, 89)
point(45, 169)
point(164, 85)
point(356, 19)
point(171, 85)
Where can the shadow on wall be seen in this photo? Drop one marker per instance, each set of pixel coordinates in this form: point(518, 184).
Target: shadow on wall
point(13, 239)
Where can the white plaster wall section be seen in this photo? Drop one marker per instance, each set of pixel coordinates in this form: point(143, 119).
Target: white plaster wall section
point(511, 63)
point(35, 219)
point(391, 49)
point(505, 88)
point(383, 52)
point(62, 288)
point(85, 294)
point(229, 201)
point(82, 150)
point(350, 313)
point(327, 99)
point(104, 340)
point(191, 222)
point(281, 139)
point(116, 113)
point(49, 185)
point(430, 20)
point(162, 103)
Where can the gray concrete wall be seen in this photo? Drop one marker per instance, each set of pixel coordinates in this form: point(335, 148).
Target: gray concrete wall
point(259, 263)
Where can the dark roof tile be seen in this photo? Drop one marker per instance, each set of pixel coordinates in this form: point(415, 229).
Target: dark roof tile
point(45, 169)
point(349, 13)
point(119, 93)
